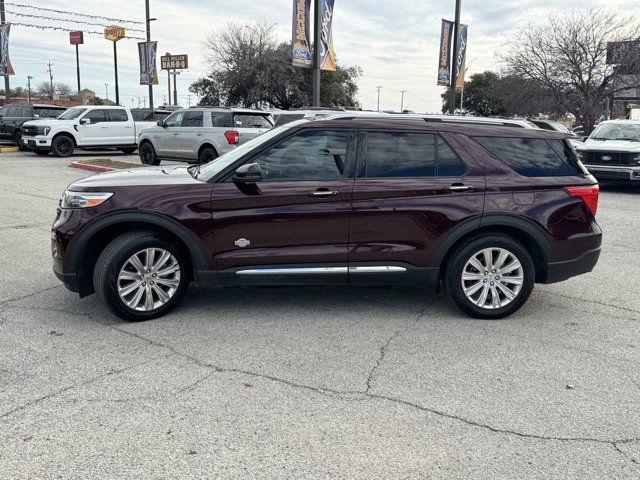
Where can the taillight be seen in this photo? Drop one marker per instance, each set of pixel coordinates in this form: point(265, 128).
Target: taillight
point(589, 195)
point(233, 137)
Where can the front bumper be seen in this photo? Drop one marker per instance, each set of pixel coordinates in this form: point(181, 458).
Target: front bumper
point(69, 280)
point(605, 172)
point(39, 142)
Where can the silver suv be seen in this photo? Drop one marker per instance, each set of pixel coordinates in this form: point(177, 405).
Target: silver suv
point(201, 134)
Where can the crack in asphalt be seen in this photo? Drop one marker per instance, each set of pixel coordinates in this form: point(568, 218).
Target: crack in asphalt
point(4, 303)
point(23, 227)
point(595, 302)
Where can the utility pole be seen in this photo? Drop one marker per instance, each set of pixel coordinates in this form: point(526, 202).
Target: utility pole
point(29, 77)
point(148, 21)
point(175, 74)
point(78, 68)
point(50, 68)
point(402, 100)
point(452, 88)
point(7, 88)
point(115, 67)
point(316, 53)
point(106, 91)
point(379, 87)
point(189, 97)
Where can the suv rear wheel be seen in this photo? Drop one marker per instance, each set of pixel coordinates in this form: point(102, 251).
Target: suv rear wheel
point(491, 276)
point(141, 275)
point(206, 155)
point(148, 154)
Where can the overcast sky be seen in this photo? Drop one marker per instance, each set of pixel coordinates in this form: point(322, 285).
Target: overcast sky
point(394, 41)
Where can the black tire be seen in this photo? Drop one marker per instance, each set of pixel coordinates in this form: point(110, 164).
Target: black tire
point(207, 155)
point(464, 253)
point(42, 153)
point(148, 154)
point(113, 258)
point(17, 139)
point(129, 150)
point(62, 146)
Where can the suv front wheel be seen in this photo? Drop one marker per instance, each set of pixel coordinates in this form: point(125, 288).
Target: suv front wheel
point(491, 276)
point(141, 275)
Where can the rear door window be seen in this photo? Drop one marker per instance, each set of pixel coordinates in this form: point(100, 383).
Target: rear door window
point(400, 155)
point(24, 111)
point(243, 120)
point(194, 119)
point(532, 157)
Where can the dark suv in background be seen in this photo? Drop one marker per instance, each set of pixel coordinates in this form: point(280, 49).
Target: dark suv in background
point(12, 117)
point(484, 211)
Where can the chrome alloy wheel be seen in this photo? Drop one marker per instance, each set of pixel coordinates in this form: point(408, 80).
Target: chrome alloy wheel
point(148, 279)
point(492, 278)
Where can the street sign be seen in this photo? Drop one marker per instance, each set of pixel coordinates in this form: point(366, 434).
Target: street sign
point(174, 62)
point(76, 38)
point(114, 33)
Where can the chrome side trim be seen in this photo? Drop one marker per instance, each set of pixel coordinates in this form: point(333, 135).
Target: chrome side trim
point(377, 269)
point(293, 271)
point(321, 270)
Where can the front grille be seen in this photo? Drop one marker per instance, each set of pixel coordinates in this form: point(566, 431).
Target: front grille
point(28, 131)
point(608, 158)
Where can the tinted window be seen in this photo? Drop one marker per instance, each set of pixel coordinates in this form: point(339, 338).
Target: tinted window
point(399, 155)
point(194, 119)
point(307, 156)
point(11, 111)
point(221, 120)
point(161, 115)
point(174, 120)
point(141, 115)
point(118, 115)
point(531, 157)
point(24, 112)
point(96, 116)
point(287, 118)
point(47, 112)
point(448, 163)
point(251, 121)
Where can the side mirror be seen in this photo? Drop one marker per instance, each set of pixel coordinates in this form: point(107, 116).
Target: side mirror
point(248, 173)
point(161, 123)
point(85, 121)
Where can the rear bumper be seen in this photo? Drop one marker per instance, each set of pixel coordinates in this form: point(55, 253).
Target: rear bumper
point(624, 173)
point(560, 271)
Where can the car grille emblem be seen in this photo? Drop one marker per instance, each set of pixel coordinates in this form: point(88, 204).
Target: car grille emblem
point(242, 242)
point(606, 158)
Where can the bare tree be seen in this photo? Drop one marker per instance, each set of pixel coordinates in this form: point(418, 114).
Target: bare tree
point(44, 90)
point(62, 89)
point(567, 57)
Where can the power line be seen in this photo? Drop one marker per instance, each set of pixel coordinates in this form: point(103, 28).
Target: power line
point(63, 29)
point(66, 12)
point(18, 14)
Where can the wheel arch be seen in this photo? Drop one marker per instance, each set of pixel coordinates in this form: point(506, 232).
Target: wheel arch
point(527, 232)
point(85, 248)
point(207, 145)
point(66, 134)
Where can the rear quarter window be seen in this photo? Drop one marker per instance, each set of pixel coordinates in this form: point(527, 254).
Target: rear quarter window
point(221, 120)
point(244, 120)
point(534, 157)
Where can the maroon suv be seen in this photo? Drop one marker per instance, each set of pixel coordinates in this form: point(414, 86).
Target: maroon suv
point(484, 211)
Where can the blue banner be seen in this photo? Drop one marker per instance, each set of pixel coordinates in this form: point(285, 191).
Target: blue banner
point(444, 62)
point(5, 63)
point(148, 72)
point(301, 43)
point(462, 55)
point(327, 54)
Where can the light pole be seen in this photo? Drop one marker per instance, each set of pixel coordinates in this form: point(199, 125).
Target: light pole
point(316, 53)
point(402, 100)
point(453, 79)
point(379, 87)
point(148, 22)
point(7, 88)
point(29, 77)
point(106, 91)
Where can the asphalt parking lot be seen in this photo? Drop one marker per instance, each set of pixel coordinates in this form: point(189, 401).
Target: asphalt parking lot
point(273, 383)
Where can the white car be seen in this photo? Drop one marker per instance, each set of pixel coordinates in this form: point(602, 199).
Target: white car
point(85, 127)
point(612, 152)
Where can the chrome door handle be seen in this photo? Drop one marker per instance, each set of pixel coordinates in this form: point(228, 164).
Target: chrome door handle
point(324, 193)
point(460, 188)
point(198, 134)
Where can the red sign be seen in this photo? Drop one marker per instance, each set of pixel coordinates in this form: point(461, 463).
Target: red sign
point(76, 38)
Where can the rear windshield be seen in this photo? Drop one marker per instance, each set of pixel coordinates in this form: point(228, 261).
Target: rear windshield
point(141, 115)
point(47, 112)
point(251, 120)
point(535, 157)
point(287, 118)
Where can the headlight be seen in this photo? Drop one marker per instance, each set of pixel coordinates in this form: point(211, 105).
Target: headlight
point(43, 130)
point(84, 199)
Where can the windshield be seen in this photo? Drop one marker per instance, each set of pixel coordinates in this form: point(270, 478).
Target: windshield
point(219, 164)
point(72, 113)
point(617, 131)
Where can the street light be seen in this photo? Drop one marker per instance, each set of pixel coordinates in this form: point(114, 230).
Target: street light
point(453, 79)
point(106, 91)
point(148, 21)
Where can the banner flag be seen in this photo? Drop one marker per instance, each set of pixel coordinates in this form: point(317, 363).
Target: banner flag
point(301, 43)
point(148, 72)
point(5, 63)
point(327, 54)
point(444, 67)
point(462, 56)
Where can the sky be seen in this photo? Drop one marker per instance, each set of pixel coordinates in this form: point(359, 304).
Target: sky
point(394, 41)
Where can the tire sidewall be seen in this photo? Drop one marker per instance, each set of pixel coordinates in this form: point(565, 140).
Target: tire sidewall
point(202, 157)
point(462, 256)
point(148, 147)
point(109, 288)
point(57, 141)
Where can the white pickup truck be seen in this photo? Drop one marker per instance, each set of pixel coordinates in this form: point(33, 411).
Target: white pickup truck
point(85, 127)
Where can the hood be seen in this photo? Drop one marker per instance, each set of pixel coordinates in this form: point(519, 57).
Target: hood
point(46, 122)
point(140, 177)
point(609, 146)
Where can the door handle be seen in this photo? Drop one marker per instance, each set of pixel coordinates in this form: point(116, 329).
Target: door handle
point(458, 187)
point(175, 134)
point(324, 193)
point(198, 134)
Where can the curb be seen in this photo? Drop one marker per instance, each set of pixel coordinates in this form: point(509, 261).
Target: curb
point(9, 149)
point(91, 168)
